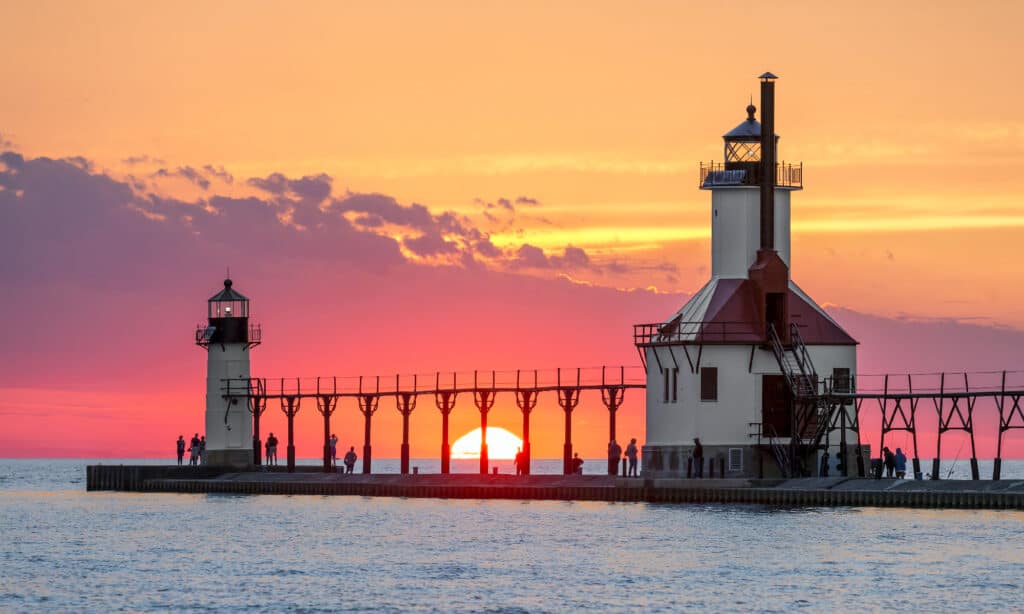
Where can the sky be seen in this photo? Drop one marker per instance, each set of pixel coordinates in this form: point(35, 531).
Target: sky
point(412, 187)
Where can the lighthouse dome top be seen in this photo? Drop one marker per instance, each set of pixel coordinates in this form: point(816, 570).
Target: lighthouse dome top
point(743, 143)
point(748, 130)
point(228, 293)
point(228, 303)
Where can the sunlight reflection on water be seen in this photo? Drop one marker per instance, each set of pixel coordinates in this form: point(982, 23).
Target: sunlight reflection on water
point(65, 549)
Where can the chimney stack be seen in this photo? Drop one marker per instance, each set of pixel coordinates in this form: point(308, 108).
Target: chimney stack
point(768, 161)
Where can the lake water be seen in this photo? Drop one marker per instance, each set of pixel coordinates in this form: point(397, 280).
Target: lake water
point(65, 549)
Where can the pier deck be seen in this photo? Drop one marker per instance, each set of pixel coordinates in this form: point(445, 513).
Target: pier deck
point(813, 492)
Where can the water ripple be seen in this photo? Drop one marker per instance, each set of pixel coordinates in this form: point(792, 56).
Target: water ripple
point(65, 549)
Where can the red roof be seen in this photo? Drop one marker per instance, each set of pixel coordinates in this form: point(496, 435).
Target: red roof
point(732, 316)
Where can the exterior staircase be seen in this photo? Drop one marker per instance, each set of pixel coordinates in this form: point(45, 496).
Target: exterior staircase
point(809, 420)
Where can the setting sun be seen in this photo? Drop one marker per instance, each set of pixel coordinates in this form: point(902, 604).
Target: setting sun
point(501, 444)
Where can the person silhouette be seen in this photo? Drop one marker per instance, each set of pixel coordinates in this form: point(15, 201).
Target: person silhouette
point(577, 463)
point(181, 448)
point(350, 459)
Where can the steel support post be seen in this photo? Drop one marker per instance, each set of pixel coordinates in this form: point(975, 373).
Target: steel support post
point(939, 402)
point(483, 398)
point(367, 406)
point(406, 402)
point(568, 399)
point(257, 405)
point(997, 463)
point(612, 396)
point(445, 401)
point(290, 406)
point(526, 401)
point(913, 434)
point(326, 404)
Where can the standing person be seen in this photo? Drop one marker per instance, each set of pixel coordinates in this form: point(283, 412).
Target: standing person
point(271, 449)
point(350, 459)
point(519, 461)
point(202, 450)
point(698, 458)
point(334, 451)
point(266, 451)
point(631, 452)
point(181, 448)
point(614, 453)
point(577, 463)
point(901, 464)
point(889, 460)
point(193, 448)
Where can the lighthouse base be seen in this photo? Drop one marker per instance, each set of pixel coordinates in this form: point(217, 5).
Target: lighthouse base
point(229, 458)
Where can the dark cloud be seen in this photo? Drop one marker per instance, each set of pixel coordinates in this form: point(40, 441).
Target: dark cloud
point(118, 233)
point(311, 188)
point(219, 172)
point(575, 257)
point(83, 163)
point(133, 160)
point(388, 209)
point(5, 142)
point(430, 245)
point(666, 268)
point(506, 203)
point(484, 247)
point(531, 256)
point(64, 223)
point(11, 161)
point(186, 172)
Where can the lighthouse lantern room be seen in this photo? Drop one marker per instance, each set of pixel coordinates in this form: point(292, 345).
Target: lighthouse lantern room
point(742, 365)
point(227, 338)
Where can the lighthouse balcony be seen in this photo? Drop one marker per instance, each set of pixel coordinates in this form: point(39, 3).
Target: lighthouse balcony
point(228, 330)
point(739, 174)
point(707, 332)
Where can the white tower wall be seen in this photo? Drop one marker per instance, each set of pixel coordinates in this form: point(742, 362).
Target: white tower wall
point(736, 228)
point(726, 422)
point(228, 428)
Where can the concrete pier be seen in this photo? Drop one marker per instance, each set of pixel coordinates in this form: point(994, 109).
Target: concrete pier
point(805, 492)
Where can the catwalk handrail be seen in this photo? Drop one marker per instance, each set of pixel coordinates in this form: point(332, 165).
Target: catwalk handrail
point(673, 332)
point(787, 175)
point(536, 380)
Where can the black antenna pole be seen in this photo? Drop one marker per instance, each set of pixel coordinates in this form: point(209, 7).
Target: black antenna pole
point(768, 161)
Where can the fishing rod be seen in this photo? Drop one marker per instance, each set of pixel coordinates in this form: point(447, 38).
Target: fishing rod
point(953, 466)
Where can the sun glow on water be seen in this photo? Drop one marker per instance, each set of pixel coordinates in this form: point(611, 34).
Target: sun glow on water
point(501, 444)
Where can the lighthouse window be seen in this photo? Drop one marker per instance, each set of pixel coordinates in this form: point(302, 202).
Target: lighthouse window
point(671, 381)
point(841, 380)
point(709, 383)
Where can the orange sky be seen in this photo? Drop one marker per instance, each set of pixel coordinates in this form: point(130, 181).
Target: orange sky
point(906, 116)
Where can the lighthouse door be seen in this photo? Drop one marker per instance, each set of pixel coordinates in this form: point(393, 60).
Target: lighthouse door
point(775, 314)
point(776, 406)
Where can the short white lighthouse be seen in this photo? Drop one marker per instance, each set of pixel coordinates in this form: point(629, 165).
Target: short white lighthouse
point(742, 365)
point(227, 338)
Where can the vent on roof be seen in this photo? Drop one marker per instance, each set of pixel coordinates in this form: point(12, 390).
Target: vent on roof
point(735, 459)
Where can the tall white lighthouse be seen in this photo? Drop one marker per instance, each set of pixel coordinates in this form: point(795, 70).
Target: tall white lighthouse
point(227, 338)
point(742, 365)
